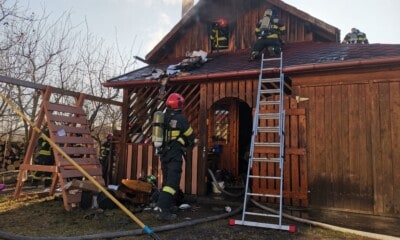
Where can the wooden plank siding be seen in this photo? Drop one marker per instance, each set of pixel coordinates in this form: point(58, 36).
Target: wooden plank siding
point(295, 175)
point(353, 131)
point(200, 100)
point(242, 17)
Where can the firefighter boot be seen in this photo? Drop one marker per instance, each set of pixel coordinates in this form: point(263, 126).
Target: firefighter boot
point(253, 55)
point(271, 51)
point(164, 203)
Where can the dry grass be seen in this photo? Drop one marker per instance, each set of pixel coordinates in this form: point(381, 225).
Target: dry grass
point(34, 216)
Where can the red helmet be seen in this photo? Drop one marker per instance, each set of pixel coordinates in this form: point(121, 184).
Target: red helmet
point(109, 136)
point(175, 101)
point(222, 22)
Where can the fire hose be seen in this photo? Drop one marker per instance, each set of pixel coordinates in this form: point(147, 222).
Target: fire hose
point(145, 228)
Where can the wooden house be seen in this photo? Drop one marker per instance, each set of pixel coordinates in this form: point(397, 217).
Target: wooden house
point(342, 128)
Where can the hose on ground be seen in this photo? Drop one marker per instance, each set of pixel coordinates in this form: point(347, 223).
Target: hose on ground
point(80, 169)
point(306, 221)
point(327, 226)
point(220, 188)
point(136, 232)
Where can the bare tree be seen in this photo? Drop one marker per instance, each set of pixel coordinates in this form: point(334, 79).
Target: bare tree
point(59, 54)
point(96, 67)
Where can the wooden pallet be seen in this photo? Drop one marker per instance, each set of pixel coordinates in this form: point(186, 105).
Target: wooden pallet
point(69, 129)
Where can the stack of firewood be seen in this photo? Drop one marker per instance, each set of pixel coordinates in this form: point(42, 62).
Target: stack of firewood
point(11, 156)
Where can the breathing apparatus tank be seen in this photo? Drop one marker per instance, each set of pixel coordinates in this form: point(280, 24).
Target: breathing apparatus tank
point(158, 129)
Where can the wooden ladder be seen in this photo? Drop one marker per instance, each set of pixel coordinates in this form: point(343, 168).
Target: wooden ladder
point(69, 129)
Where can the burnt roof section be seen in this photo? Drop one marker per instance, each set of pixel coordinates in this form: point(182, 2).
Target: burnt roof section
point(294, 54)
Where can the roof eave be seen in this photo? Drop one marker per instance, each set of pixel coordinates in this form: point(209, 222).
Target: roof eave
point(316, 67)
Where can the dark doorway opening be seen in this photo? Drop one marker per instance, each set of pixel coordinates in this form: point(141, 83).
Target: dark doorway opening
point(245, 131)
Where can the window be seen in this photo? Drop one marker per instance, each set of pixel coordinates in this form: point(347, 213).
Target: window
point(221, 124)
point(219, 34)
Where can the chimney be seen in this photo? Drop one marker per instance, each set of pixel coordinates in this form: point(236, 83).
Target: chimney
point(186, 5)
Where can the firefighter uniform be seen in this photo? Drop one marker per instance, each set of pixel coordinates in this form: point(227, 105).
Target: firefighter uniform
point(45, 152)
point(268, 38)
point(105, 151)
point(219, 35)
point(177, 136)
point(45, 157)
point(355, 36)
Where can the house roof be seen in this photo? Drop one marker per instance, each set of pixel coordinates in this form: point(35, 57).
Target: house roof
point(297, 57)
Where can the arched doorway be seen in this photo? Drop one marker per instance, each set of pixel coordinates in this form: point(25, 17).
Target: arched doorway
point(230, 127)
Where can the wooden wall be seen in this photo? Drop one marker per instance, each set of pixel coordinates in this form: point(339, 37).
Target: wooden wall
point(242, 16)
point(353, 139)
point(140, 159)
point(295, 184)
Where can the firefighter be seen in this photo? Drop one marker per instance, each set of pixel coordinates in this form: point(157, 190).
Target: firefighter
point(45, 157)
point(219, 34)
point(355, 36)
point(105, 152)
point(178, 135)
point(269, 35)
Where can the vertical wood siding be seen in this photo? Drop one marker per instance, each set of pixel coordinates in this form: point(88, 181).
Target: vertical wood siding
point(353, 141)
point(295, 173)
point(141, 160)
point(242, 17)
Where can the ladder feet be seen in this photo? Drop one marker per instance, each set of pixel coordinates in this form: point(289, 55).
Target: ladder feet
point(231, 222)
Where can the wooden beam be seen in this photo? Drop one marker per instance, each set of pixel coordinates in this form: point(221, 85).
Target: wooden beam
point(18, 82)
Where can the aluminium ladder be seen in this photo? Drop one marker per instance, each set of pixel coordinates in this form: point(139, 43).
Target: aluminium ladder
point(267, 147)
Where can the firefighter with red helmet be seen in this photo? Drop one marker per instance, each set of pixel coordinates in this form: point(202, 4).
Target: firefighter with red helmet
point(219, 34)
point(178, 135)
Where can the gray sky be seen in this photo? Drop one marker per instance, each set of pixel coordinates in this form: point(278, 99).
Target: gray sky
point(142, 23)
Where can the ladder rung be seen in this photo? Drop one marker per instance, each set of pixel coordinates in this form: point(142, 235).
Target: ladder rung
point(275, 90)
point(268, 129)
point(267, 87)
point(266, 177)
point(262, 214)
point(269, 102)
point(272, 160)
point(268, 116)
point(271, 59)
point(270, 80)
point(264, 195)
point(267, 144)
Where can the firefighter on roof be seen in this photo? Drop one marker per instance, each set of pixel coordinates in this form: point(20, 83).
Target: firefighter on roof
point(355, 36)
point(268, 31)
point(219, 34)
point(177, 136)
